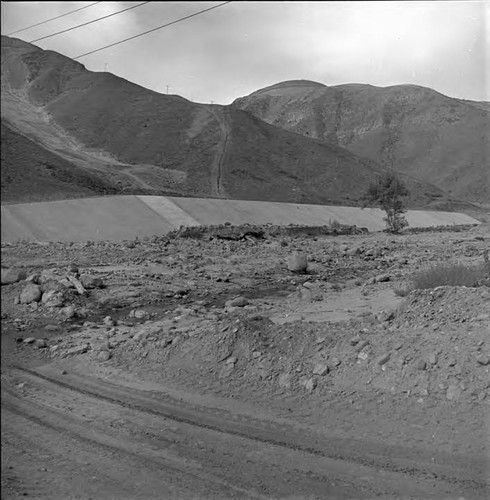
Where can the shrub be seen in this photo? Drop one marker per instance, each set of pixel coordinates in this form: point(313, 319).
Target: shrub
point(449, 275)
point(387, 192)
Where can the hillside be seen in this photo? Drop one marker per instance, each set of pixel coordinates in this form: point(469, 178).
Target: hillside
point(32, 173)
point(415, 130)
point(113, 136)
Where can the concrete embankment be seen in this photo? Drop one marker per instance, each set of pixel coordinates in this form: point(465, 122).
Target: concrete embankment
point(117, 218)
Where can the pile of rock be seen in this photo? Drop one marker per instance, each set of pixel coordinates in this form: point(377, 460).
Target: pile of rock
point(52, 288)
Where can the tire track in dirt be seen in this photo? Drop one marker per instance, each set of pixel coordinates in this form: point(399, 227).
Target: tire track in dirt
point(147, 458)
point(236, 467)
point(389, 472)
point(218, 163)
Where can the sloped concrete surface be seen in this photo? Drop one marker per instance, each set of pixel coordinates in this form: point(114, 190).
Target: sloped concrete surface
point(117, 218)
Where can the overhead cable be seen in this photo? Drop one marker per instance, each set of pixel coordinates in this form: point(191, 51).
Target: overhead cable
point(88, 22)
point(52, 19)
point(150, 31)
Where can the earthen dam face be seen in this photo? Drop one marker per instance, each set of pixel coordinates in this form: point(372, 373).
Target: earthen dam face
point(118, 218)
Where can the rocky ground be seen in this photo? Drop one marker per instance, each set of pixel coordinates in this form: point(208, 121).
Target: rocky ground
point(309, 331)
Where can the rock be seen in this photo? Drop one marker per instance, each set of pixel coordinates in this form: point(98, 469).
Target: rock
point(310, 291)
point(34, 278)
point(53, 299)
point(231, 360)
point(141, 335)
point(68, 312)
point(66, 283)
point(297, 262)
point(31, 293)
point(383, 359)
point(421, 364)
point(10, 276)
point(52, 285)
point(78, 285)
point(382, 278)
point(226, 371)
point(361, 345)
point(453, 393)
point(40, 343)
point(432, 358)
point(320, 369)
point(363, 355)
point(386, 316)
point(89, 281)
point(108, 321)
point(81, 349)
point(310, 384)
point(237, 302)
point(29, 340)
point(139, 314)
point(103, 356)
point(335, 361)
point(483, 359)
point(285, 381)
point(73, 268)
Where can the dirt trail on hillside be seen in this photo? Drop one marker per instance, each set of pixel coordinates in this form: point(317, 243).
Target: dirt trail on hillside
point(217, 168)
point(35, 123)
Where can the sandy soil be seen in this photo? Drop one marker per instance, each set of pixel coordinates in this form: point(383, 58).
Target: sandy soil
point(207, 369)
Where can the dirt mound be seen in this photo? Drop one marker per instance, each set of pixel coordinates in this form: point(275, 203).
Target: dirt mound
point(419, 351)
point(405, 127)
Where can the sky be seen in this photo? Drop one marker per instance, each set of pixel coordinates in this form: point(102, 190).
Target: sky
point(243, 46)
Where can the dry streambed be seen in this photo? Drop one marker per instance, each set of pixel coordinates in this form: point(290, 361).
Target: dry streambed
point(334, 350)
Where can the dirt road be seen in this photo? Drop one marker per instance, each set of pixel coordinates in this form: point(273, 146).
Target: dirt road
point(75, 436)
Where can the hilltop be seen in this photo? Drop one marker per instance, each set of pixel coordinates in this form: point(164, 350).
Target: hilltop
point(415, 130)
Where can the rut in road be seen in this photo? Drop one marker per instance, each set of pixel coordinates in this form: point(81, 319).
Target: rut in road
point(177, 472)
point(229, 463)
point(269, 433)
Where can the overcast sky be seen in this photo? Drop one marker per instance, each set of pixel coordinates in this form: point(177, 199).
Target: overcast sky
point(241, 47)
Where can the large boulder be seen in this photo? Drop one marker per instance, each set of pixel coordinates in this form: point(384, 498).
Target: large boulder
point(10, 276)
point(31, 293)
point(297, 262)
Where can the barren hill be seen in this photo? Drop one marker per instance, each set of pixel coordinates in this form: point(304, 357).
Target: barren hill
point(413, 129)
point(113, 136)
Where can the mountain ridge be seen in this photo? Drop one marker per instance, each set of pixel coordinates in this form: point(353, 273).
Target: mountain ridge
point(131, 140)
point(414, 130)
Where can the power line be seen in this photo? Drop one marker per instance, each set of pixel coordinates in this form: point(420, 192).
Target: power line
point(52, 19)
point(154, 29)
point(88, 22)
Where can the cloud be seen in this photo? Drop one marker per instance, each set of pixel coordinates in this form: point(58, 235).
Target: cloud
point(243, 46)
